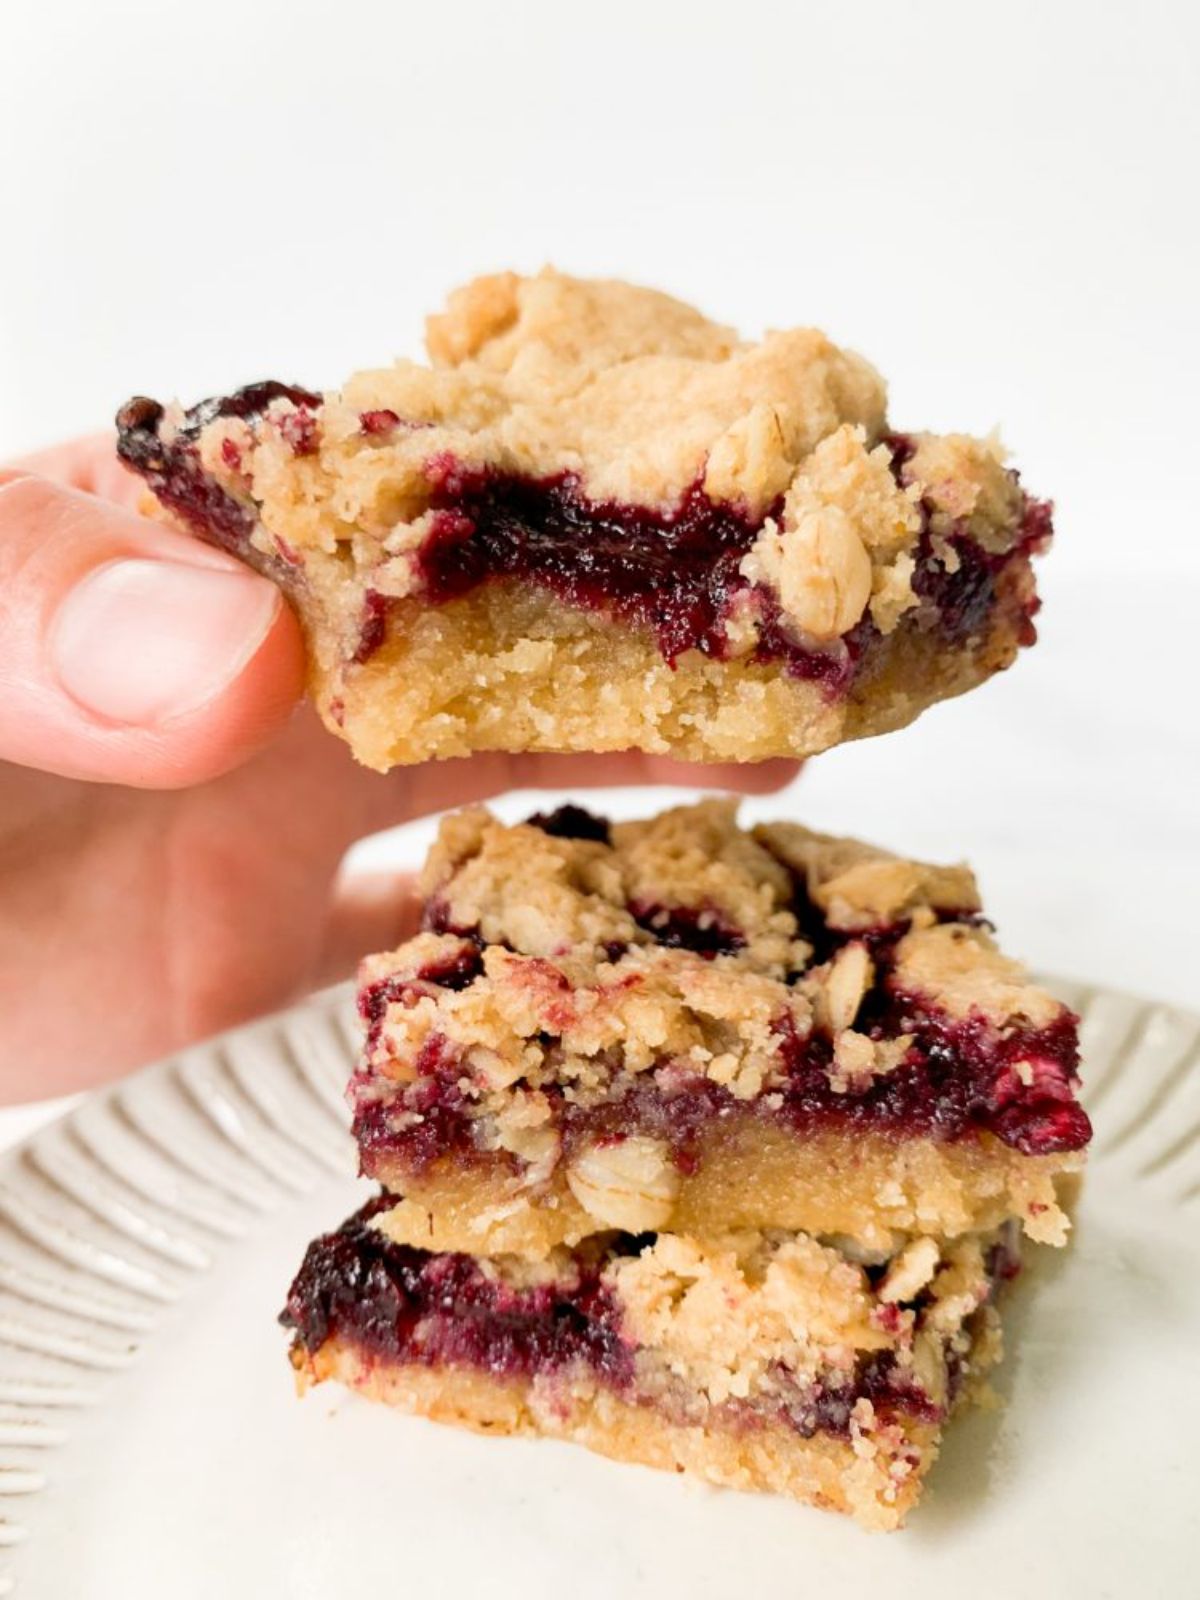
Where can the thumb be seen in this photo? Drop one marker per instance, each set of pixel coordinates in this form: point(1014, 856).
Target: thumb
point(130, 653)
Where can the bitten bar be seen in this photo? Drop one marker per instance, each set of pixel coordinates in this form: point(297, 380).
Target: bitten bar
point(599, 521)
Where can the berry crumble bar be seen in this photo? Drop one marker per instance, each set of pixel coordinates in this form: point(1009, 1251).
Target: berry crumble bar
point(706, 1148)
point(599, 521)
point(760, 1361)
point(678, 1025)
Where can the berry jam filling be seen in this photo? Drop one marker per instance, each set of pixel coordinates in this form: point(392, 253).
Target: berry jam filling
point(700, 929)
point(372, 628)
point(673, 572)
point(456, 971)
point(964, 598)
point(572, 822)
point(677, 572)
point(959, 1078)
point(434, 1126)
point(174, 471)
point(1026, 1079)
point(408, 1306)
point(378, 424)
point(436, 918)
point(829, 1407)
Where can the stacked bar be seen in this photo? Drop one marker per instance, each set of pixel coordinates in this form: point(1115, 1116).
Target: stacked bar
point(706, 1148)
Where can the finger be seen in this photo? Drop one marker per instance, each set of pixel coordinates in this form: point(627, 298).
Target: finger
point(90, 464)
point(370, 911)
point(441, 784)
point(740, 777)
point(130, 653)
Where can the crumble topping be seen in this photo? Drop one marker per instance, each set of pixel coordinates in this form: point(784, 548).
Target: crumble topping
point(843, 542)
point(858, 887)
point(961, 969)
point(589, 904)
point(758, 1313)
point(632, 394)
point(724, 1318)
point(966, 486)
point(550, 896)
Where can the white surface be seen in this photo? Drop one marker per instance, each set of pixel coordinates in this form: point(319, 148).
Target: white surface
point(997, 205)
point(194, 1471)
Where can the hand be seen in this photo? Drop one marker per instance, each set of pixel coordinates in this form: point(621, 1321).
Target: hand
point(172, 821)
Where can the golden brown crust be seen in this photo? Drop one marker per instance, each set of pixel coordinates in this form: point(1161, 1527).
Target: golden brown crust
point(747, 1175)
point(509, 668)
point(875, 1476)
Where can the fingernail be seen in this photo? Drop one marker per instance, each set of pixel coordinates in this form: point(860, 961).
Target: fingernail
point(143, 641)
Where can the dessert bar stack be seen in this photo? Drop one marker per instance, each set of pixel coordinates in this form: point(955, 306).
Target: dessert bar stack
point(707, 1148)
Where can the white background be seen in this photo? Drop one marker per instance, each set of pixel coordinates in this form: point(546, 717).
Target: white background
point(996, 203)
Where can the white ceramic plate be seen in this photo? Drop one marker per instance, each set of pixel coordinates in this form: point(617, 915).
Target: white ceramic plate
point(151, 1445)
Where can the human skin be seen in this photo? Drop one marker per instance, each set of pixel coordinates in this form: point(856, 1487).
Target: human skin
point(173, 818)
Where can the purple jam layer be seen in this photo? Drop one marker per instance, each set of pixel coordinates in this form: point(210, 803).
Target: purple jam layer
point(402, 1306)
point(673, 572)
point(700, 929)
point(964, 599)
